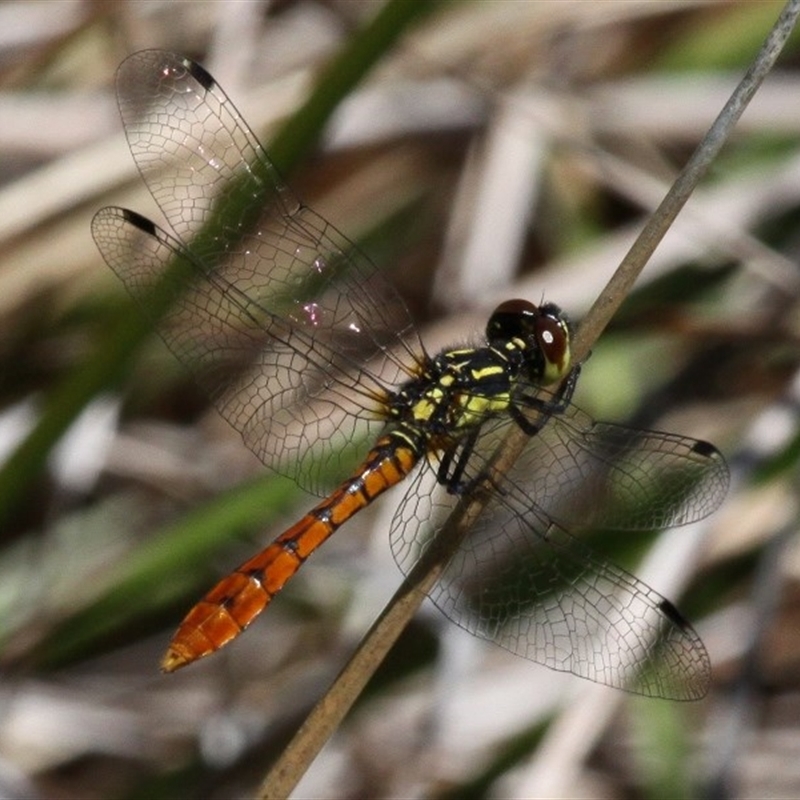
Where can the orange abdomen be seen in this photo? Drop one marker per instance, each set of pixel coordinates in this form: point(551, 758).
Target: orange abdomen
point(241, 596)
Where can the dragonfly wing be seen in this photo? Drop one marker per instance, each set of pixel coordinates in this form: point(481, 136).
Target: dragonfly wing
point(225, 199)
point(599, 475)
point(277, 385)
point(520, 580)
point(190, 142)
point(283, 321)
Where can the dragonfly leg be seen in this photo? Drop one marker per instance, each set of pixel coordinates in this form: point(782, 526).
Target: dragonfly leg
point(545, 408)
point(454, 462)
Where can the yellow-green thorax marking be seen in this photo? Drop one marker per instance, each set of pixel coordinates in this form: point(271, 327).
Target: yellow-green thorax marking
point(527, 347)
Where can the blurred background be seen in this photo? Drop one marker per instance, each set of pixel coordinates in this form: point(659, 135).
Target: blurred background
point(497, 149)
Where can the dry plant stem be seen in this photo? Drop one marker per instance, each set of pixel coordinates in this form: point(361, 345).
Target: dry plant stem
point(332, 708)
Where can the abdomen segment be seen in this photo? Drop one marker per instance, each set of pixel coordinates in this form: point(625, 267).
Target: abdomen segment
point(241, 596)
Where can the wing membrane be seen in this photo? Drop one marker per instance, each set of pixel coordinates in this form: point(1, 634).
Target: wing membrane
point(283, 390)
point(522, 581)
point(589, 474)
point(285, 323)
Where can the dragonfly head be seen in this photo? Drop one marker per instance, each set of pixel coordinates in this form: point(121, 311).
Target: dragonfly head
point(541, 333)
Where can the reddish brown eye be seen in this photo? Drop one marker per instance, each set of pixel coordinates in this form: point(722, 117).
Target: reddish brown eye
point(512, 319)
point(538, 329)
point(516, 306)
point(552, 336)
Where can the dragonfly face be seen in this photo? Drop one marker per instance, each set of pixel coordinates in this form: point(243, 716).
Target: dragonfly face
point(303, 345)
point(539, 336)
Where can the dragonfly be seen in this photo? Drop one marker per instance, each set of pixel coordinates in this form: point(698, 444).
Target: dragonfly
point(305, 347)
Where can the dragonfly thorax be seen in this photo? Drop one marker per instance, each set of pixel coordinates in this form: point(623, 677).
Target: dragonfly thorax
point(459, 390)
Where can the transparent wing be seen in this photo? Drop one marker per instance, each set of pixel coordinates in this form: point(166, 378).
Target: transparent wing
point(589, 474)
point(283, 321)
point(521, 581)
point(275, 383)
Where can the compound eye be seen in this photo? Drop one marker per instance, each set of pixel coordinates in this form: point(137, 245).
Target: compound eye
point(511, 319)
point(552, 336)
point(517, 306)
